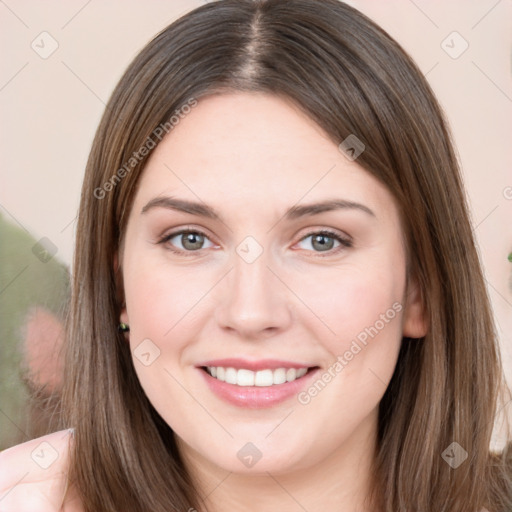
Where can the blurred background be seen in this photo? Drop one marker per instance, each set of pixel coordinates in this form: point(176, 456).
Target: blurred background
point(60, 63)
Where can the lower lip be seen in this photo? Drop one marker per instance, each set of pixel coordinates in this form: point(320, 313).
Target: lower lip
point(256, 397)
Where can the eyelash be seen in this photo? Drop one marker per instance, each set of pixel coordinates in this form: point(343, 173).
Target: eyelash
point(345, 243)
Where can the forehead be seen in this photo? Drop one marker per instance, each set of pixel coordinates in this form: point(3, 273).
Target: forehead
point(254, 147)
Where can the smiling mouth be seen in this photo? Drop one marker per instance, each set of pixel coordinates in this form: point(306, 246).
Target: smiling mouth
point(261, 378)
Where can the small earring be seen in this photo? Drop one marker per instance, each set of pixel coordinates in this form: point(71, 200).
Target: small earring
point(123, 327)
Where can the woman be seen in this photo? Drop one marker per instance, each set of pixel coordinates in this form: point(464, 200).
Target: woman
point(277, 301)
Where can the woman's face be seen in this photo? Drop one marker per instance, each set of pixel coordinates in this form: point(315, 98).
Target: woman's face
point(228, 270)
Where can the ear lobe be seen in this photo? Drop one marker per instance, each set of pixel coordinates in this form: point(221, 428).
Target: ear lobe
point(123, 317)
point(120, 289)
point(414, 322)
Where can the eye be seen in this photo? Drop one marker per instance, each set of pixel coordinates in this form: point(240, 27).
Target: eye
point(186, 241)
point(325, 240)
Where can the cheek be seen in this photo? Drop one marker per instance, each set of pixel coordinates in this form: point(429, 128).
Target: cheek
point(357, 300)
point(364, 310)
point(162, 303)
point(160, 298)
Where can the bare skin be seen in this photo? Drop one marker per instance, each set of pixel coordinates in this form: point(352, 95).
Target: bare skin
point(33, 476)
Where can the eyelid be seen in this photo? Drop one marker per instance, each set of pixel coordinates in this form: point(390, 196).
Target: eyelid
point(328, 231)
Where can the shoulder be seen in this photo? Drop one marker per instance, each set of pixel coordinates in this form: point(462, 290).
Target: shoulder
point(33, 475)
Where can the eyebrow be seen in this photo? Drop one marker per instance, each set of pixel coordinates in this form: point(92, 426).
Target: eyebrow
point(295, 212)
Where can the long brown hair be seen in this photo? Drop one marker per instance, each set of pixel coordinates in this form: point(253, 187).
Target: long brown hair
point(350, 77)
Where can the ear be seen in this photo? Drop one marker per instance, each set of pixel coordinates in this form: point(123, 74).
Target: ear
point(120, 289)
point(414, 323)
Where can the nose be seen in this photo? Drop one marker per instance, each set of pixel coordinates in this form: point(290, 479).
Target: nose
point(255, 303)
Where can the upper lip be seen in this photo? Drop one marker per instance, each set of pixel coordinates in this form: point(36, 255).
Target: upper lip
point(261, 364)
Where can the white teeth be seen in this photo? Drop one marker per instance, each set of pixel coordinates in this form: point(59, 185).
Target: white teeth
point(261, 378)
point(301, 372)
point(279, 376)
point(264, 378)
point(291, 374)
point(245, 378)
point(230, 376)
